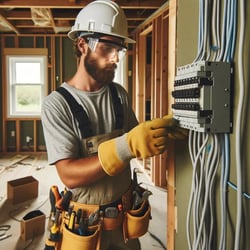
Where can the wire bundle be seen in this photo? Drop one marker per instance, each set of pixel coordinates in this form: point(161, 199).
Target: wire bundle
point(216, 42)
point(204, 150)
point(216, 39)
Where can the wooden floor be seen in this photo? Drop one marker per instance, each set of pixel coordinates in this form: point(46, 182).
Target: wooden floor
point(16, 166)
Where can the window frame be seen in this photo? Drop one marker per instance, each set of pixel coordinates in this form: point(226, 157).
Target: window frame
point(22, 55)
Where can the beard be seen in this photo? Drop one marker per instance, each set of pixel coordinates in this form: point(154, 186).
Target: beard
point(101, 75)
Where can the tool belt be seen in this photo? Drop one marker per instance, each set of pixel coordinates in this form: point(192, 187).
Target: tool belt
point(82, 224)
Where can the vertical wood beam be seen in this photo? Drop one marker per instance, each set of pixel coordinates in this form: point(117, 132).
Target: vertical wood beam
point(164, 94)
point(35, 135)
point(171, 212)
point(134, 74)
point(141, 83)
point(18, 136)
point(156, 90)
point(3, 96)
point(160, 90)
point(52, 61)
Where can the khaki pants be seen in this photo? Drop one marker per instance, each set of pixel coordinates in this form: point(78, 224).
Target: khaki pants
point(113, 240)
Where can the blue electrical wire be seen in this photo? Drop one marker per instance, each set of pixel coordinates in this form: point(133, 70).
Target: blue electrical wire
point(223, 46)
point(230, 31)
point(233, 186)
point(200, 30)
point(234, 28)
point(224, 178)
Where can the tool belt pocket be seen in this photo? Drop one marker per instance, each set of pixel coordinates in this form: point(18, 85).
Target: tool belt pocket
point(136, 221)
point(71, 240)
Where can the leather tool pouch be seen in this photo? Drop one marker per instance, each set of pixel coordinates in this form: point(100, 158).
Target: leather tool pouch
point(136, 221)
point(72, 239)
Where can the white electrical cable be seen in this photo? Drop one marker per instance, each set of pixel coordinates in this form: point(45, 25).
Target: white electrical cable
point(203, 30)
point(223, 185)
point(206, 51)
point(200, 141)
point(214, 39)
point(238, 135)
point(228, 57)
point(230, 33)
point(201, 203)
point(200, 31)
point(223, 33)
point(234, 7)
point(198, 193)
point(190, 139)
point(205, 36)
point(211, 186)
point(211, 167)
point(195, 154)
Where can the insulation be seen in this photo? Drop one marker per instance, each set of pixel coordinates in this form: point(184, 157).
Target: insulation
point(41, 17)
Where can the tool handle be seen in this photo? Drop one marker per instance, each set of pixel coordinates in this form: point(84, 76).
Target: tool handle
point(71, 223)
point(63, 203)
point(54, 197)
point(78, 215)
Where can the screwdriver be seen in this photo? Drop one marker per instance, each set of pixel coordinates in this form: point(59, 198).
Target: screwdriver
point(63, 203)
point(71, 223)
point(83, 226)
point(78, 215)
point(55, 229)
point(54, 197)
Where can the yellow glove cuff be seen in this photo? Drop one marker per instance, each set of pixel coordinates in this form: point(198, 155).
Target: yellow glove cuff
point(114, 155)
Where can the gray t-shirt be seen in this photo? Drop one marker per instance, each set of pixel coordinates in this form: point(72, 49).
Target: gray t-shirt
point(63, 137)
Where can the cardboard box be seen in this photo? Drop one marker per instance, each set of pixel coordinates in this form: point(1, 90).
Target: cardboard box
point(22, 189)
point(32, 224)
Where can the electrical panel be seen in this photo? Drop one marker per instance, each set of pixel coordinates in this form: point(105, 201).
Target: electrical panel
point(202, 97)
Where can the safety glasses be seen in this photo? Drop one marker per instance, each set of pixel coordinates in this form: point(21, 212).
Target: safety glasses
point(107, 48)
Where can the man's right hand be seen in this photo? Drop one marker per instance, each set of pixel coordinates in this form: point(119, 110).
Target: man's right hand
point(150, 138)
point(145, 140)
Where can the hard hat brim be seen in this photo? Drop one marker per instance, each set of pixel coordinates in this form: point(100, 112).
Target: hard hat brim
point(73, 34)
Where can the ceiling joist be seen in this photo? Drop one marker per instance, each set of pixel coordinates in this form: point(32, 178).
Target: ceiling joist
point(7, 25)
point(58, 16)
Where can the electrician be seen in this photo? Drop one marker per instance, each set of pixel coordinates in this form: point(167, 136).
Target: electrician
point(95, 166)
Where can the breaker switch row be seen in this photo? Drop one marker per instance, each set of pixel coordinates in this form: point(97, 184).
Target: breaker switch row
point(203, 98)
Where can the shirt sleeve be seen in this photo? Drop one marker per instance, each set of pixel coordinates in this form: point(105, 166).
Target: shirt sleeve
point(60, 136)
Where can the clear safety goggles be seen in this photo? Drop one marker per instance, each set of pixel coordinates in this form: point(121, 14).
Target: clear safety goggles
point(106, 47)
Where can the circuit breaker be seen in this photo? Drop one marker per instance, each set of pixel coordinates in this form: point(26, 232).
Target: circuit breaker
point(203, 97)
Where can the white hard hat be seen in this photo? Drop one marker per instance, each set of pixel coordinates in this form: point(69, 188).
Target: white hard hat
point(101, 16)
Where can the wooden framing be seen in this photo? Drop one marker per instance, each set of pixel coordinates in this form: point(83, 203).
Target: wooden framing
point(17, 51)
point(46, 47)
point(171, 209)
point(58, 16)
point(163, 27)
point(156, 91)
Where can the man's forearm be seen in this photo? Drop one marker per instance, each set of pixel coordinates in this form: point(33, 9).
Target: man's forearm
point(80, 172)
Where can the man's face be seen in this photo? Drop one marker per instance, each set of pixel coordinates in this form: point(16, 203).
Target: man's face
point(100, 70)
point(100, 61)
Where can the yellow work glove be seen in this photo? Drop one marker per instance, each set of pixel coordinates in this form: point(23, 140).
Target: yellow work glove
point(176, 132)
point(145, 140)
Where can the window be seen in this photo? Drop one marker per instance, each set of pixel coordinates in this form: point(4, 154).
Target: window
point(26, 84)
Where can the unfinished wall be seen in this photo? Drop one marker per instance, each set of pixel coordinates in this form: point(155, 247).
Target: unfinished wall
point(60, 53)
point(150, 86)
point(187, 35)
